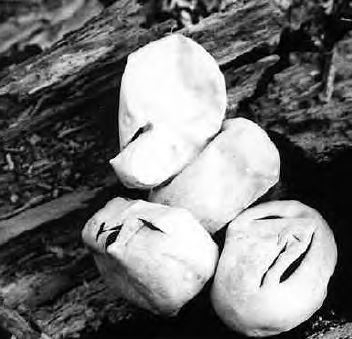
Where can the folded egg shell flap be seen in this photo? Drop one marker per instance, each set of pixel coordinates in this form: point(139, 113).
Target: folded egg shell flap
point(155, 152)
point(172, 102)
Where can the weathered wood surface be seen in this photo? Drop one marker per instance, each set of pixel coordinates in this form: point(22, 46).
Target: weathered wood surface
point(48, 277)
point(44, 213)
point(90, 61)
point(46, 273)
point(40, 24)
point(16, 325)
point(322, 130)
point(335, 332)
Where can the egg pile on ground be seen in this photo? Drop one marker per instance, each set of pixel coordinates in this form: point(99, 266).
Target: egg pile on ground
point(203, 172)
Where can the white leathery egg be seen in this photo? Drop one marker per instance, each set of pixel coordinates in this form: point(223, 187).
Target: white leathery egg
point(274, 269)
point(236, 168)
point(155, 256)
point(173, 87)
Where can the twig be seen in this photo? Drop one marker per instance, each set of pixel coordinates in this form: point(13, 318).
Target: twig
point(69, 131)
point(32, 202)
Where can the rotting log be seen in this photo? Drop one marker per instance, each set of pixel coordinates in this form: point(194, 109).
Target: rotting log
point(90, 61)
point(48, 277)
point(27, 27)
point(46, 272)
point(16, 325)
point(323, 131)
point(88, 64)
point(47, 212)
point(335, 332)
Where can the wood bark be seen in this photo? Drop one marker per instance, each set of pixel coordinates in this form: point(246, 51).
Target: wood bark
point(89, 62)
point(46, 274)
point(16, 325)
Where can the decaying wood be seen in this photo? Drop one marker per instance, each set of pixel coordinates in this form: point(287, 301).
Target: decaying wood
point(44, 267)
point(44, 213)
point(322, 130)
point(41, 23)
point(336, 332)
point(16, 325)
point(83, 310)
point(90, 61)
point(48, 272)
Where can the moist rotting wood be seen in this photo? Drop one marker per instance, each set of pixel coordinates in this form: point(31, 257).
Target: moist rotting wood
point(14, 324)
point(44, 213)
point(321, 130)
point(45, 266)
point(240, 37)
point(336, 331)
point(90, 61)
point(83, 311)
point(49, 255)
point(53, 274)
point(28, 27)
point(242, 82)
point(69, 156)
